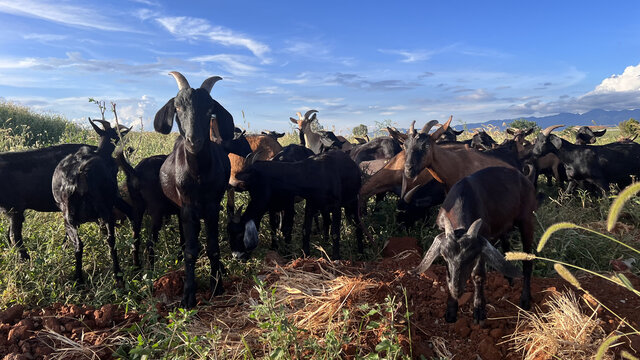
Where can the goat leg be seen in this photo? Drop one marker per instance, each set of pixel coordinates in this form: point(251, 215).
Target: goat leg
point(273, 222)
point(306, 229)
point(526, 232)
point(191, 230)
point(156, 225)
point(111, 240)
point(287, 221)
point(505, 245)
point(136, 229)
point(352, 212)
point(72, 234)
point(213, 250)
point(326, 224)
point(479, 276)
point(336, 217)
point(15, 232)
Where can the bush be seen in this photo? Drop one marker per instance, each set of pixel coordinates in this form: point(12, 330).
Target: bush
point(629, 128)
point(524, 124)
point(360, 130)
point(36, 129)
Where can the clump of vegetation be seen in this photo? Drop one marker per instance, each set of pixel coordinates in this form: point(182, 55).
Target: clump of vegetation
point(524, 124)
point(34, 129)
point(561, 331)
point(629, 128)
point(360, 130)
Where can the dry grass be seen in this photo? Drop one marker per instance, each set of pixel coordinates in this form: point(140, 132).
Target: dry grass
point(558, 330)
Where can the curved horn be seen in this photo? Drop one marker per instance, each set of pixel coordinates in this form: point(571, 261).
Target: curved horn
point(448, 227)
point(548, 130)
point(431, 254)
point(181, 80)
point(299, 115)
point(208, 84)
point(427, 127)
point(105, 124)
point(444, 128)
point(95, 127)
point(412, 129)
point(308, 113)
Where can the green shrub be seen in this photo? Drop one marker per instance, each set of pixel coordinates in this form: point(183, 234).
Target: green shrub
point(34, 128)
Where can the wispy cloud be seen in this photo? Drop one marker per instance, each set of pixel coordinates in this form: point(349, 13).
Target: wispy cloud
point(357, 81)
point(62, 13)
point(234, 64)
point(194, 28)
point(410, 55)
point(45, 37)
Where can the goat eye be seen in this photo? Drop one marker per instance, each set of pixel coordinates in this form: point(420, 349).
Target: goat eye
point(179, 108)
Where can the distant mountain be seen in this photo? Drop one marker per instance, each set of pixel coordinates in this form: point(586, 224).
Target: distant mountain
point(597, 116)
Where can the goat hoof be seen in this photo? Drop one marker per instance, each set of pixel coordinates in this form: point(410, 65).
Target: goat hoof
point(479, 316)
point(525, 303)
point(188, 301)
point(451, 316)
point(24, 255)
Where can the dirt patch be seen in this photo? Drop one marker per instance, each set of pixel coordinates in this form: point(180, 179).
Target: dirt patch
point(38, 333)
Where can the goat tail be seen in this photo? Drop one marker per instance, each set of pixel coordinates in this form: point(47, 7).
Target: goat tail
point(122, 162)
point(364, 229)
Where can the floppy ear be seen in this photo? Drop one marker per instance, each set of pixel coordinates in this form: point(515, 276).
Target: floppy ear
point(294, 121)
point(224, 120)
point(556, 141)
point(431, 255)
point(457, 132)
point(496, 259)
point(528, 131)
point(163, 122)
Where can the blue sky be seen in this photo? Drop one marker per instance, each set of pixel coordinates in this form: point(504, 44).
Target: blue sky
point(356, 62)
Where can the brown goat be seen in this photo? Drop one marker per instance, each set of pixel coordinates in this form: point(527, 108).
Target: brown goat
point(446, 164)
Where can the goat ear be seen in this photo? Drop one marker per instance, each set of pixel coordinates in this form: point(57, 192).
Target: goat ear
point(124, 130)
point(600, 132)
point(96, 127)
point(457, 132)
point(528, 131)
point(250, 235)
point(496, 259)
point(474, 229)
point(294, 121)
point(431, 254)
point(555, 141)
point(510, 131)
point(448, 227)
point(163, 121)
point(279, 135)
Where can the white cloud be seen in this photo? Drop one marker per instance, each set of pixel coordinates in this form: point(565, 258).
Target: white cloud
point(234, 64)
point(193, 28)
point(629, 80)
point(410, 56)
point(44, 37)
point(62, 13)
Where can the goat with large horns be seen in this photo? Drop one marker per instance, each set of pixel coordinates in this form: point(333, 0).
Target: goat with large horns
point(196, 173)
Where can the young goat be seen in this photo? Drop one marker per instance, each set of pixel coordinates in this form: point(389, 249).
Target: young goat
point(196, 173)
point(85, 188)
point(480, 207)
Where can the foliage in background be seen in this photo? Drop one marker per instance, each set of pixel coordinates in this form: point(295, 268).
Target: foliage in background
point(360, 130)
point(629, 128)
point(34, 128)
point(524, 124)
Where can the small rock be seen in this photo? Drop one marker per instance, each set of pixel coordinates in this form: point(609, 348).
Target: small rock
point(464, 298)
point(461, 327)
point(17, 333)
point(52, 324)
point(104, 316)
point(28, 323)
point(488, 351)
point(12, 314)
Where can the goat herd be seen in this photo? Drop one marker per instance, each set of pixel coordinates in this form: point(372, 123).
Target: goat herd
point(485, 188)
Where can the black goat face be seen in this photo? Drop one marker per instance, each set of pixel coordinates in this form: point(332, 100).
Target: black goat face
point(587, 136)
point(417, 150)
point(462, 249)
point(193, 109)
point(546, 144)
point(108, 132)
point(482, 141)
point(243, 237)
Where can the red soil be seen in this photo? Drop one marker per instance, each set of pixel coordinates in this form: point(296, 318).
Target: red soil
point(21, 330)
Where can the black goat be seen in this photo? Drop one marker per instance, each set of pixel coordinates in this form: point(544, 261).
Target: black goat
point(586, 135)
point(450, 135)
point(26, 180)
point(196, 173)
point(484, 205)
point(146, 196)
point(329, 182)
point(85, 188)
point(613, 163)
point(318, 142)
point(274, 134)
point(383, 147)
point(281, 202)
